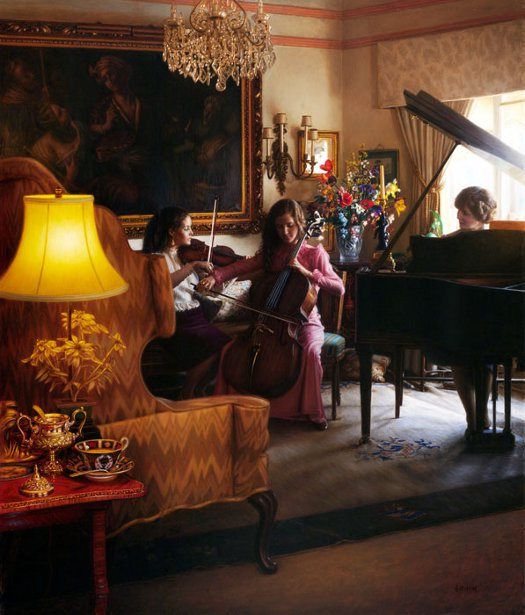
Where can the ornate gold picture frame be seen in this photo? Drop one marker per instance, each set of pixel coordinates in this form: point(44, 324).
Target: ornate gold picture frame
point(326, 147)
point(98, 107)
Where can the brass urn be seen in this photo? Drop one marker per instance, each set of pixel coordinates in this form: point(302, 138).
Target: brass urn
point(50, 432)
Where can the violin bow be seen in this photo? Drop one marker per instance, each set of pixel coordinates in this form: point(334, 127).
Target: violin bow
point(212, 236)
point(245, 306)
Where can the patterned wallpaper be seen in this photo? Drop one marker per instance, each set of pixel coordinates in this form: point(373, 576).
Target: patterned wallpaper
point(463, 64)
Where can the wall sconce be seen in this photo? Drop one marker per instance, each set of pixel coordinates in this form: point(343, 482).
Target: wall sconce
point(277, 160)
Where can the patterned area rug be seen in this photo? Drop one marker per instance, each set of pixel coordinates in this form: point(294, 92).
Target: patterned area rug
point(415, 472)
point(398, 448)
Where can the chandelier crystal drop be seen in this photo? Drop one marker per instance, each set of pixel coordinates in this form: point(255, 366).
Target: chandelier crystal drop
point(220, 42)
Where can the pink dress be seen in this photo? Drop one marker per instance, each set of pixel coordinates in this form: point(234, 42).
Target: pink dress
point(303, 400)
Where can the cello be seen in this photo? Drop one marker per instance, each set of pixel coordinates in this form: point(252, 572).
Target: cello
point(266, 360)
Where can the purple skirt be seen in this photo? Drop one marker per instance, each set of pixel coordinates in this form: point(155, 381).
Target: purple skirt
point(194, 341)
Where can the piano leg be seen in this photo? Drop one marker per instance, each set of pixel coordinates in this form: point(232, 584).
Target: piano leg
point(399, 358)
point(480, 385)
point(495, 439)
point(364, 352)
point(507, 366)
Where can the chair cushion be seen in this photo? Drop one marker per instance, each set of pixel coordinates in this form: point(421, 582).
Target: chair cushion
point(333, 345)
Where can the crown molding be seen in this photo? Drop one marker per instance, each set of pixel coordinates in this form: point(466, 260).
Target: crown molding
point(365, 41)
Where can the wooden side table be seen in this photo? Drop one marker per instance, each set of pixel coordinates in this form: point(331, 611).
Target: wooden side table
point(347, 272)
point(72, 500)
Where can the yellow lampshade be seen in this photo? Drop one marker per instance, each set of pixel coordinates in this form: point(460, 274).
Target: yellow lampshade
point(60, 257)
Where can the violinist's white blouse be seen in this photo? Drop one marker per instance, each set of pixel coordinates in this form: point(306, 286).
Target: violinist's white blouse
point(183, 293)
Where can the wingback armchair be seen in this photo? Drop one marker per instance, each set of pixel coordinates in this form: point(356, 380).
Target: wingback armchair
point(189, 453)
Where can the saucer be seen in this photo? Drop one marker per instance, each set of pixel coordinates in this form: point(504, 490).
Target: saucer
point(121, 467)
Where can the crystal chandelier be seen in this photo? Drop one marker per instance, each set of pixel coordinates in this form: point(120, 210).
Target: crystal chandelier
point(219, 42)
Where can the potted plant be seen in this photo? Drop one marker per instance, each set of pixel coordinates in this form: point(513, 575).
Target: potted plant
point(79, 364)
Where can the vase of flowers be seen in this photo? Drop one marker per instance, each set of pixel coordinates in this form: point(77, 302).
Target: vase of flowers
point(359, 200)
point(78, 365)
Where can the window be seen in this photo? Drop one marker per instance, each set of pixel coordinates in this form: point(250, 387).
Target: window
point(503, 116)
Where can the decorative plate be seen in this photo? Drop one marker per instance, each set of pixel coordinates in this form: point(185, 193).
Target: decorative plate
point(11, 471)
point(121, 467)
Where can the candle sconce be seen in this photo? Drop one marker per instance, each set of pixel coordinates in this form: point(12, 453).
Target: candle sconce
point(277, 159)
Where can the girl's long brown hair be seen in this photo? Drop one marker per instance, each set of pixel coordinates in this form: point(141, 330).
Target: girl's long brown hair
point(270, 238)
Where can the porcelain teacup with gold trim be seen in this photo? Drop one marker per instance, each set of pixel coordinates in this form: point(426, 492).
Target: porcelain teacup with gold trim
point(102, 453)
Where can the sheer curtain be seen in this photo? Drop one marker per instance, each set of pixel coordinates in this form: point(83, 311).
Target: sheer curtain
point(427, 148)
point(503, 116)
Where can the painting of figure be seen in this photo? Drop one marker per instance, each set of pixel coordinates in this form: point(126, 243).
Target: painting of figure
point(118, 125)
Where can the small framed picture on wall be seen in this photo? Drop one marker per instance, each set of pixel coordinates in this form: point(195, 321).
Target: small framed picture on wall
point(389, 158)
point(325, 148)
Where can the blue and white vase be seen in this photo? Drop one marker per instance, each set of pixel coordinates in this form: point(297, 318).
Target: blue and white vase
point(349, 242)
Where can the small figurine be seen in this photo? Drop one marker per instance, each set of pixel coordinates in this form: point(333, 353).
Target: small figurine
point(436, 226)
point(381, 233)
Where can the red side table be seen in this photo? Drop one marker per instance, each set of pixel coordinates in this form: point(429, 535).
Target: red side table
point(72, 500)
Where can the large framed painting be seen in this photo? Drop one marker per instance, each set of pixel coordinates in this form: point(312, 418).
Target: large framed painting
point(389, 158)
point(98, 106)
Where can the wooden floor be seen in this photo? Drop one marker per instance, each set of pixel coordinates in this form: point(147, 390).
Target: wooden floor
point(461, 568)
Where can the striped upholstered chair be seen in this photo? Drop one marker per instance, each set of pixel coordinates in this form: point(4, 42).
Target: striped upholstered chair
point(188, 454)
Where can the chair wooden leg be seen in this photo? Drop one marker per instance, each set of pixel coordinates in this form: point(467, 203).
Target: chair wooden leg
point(338, 369)
point(334, 391)
point(266, 505)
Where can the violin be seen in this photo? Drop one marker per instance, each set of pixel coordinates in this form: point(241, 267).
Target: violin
point(199, 251)
point(267, 359)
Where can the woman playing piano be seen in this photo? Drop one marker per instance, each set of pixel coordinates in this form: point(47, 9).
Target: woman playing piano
point(476, 208)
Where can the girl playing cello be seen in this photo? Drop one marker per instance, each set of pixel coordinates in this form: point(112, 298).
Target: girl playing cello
point(283, 229)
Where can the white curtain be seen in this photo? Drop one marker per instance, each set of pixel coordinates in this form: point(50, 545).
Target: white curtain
point(427, 148)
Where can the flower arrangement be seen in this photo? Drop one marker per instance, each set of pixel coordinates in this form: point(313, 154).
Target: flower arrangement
point(357, 200)
point(77, 363)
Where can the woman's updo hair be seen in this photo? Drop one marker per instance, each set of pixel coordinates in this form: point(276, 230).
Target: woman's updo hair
point(156, 236)
point(478, 202)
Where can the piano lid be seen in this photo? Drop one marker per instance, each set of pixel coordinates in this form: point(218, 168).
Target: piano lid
point(441, 117)
point(461, 131)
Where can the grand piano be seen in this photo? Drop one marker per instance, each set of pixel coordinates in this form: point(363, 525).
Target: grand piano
point(462, 295)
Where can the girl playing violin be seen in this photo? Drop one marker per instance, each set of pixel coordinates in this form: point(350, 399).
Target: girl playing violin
point(283, 229)
point(195, 345)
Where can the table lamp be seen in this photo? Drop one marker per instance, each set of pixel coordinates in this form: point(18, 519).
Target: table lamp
point(60, 257)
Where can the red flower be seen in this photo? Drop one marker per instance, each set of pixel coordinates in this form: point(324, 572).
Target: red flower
point(327, 166)
point(346, 199)
point(367, 204)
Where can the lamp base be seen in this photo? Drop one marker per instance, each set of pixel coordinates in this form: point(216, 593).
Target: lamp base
point(90, 431)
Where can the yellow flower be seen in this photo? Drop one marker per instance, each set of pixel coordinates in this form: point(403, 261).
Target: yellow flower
point(78, 364)
point(400, 205)
point(118, 344)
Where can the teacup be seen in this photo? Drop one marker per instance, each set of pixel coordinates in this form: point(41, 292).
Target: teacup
point(101, 454)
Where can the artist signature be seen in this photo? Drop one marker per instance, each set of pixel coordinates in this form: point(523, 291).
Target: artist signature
point(466, 588)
